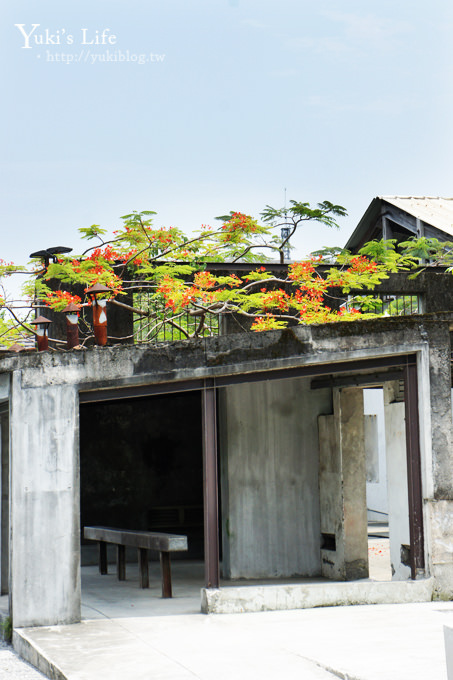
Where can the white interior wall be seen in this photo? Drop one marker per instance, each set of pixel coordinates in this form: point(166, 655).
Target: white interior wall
point(397, 491)
point(376, 491)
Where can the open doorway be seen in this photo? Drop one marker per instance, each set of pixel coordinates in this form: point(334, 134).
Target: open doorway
point(141, 469)
point(364, 484)
point(387, 487)
point(379, 563)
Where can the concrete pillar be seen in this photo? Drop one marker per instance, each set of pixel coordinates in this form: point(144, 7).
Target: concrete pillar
point(439, 510)
point(269, 473)
point(4, 507)
point(397, 492)
point(342, 483)
point(45, 523)
point(4, 482)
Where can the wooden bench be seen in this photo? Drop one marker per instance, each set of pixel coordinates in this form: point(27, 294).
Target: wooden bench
point(143, 541)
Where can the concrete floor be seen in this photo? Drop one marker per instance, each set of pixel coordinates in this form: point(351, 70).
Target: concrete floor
point(133, 634)
point(126, 635)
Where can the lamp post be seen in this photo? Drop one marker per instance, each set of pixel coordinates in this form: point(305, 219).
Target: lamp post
point(46, 256)
point(72, 324)
point(285, 252)
point(50, 254)
point(99, 312)
point(42, 329)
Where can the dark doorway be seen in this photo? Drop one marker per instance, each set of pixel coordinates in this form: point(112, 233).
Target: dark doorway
point(141, 465)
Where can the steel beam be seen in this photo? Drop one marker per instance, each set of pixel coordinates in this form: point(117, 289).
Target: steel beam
point(308, 370)
point(414, 477)
point(211, 500)
point(357, 380)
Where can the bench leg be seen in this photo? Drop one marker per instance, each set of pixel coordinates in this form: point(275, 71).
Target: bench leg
point(121, 562)
point(103, 569)
point(165, 565)
point(143, 568)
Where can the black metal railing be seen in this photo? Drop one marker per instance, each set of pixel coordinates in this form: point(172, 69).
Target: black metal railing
point(161, 324)
point(388, 304)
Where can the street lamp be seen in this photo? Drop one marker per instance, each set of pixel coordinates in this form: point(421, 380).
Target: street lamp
point(50, 254)
point(285, 251)
point(72, 324)
point(99, 312)
point(42, 332)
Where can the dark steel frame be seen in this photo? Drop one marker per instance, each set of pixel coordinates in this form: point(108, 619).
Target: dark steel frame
point(208, 388)
point(414, 471)
point(211, 486)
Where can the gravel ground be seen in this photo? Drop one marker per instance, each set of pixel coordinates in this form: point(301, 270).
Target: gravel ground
point(13, 668)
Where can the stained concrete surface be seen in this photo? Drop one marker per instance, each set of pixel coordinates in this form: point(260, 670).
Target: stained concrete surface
point(132, 634)
point(14, 668)
point(381, 642)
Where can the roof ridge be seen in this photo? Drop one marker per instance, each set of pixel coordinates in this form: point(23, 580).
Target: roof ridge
point(439, 198)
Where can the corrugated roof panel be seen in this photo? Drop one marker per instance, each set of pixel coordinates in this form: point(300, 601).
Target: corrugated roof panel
point(434, 210)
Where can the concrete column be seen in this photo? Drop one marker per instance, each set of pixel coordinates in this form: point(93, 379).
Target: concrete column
point(342, 482)
point(441, 409)
point(397, 493)
point(439, 511)
point(45, 537)
point(4, 482)
point(4, 508)
point(269, 473)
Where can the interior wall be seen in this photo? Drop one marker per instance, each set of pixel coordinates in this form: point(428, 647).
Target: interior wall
point(269, 473)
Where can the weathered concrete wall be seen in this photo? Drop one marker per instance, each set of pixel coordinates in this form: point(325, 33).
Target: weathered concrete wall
point(4, 507)
point(44, 435)
point(45, 552)
point(342, 482)
point(270, 502)
point(439, 506)
point(440, 403)
point(354, 483)
point(440, 518)
point(370, 431)
point(331, 497)
point(5, 382)
point(251, 598)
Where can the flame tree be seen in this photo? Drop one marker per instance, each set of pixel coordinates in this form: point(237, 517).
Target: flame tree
point(173, 269)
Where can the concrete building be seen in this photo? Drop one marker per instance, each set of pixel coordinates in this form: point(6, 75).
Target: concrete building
point(280, 453)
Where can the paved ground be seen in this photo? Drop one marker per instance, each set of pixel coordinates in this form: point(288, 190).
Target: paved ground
point(374, 642)
point(14, 668)
point(132, 634)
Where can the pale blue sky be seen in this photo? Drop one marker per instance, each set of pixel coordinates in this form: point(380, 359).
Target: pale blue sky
point(338, 101)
